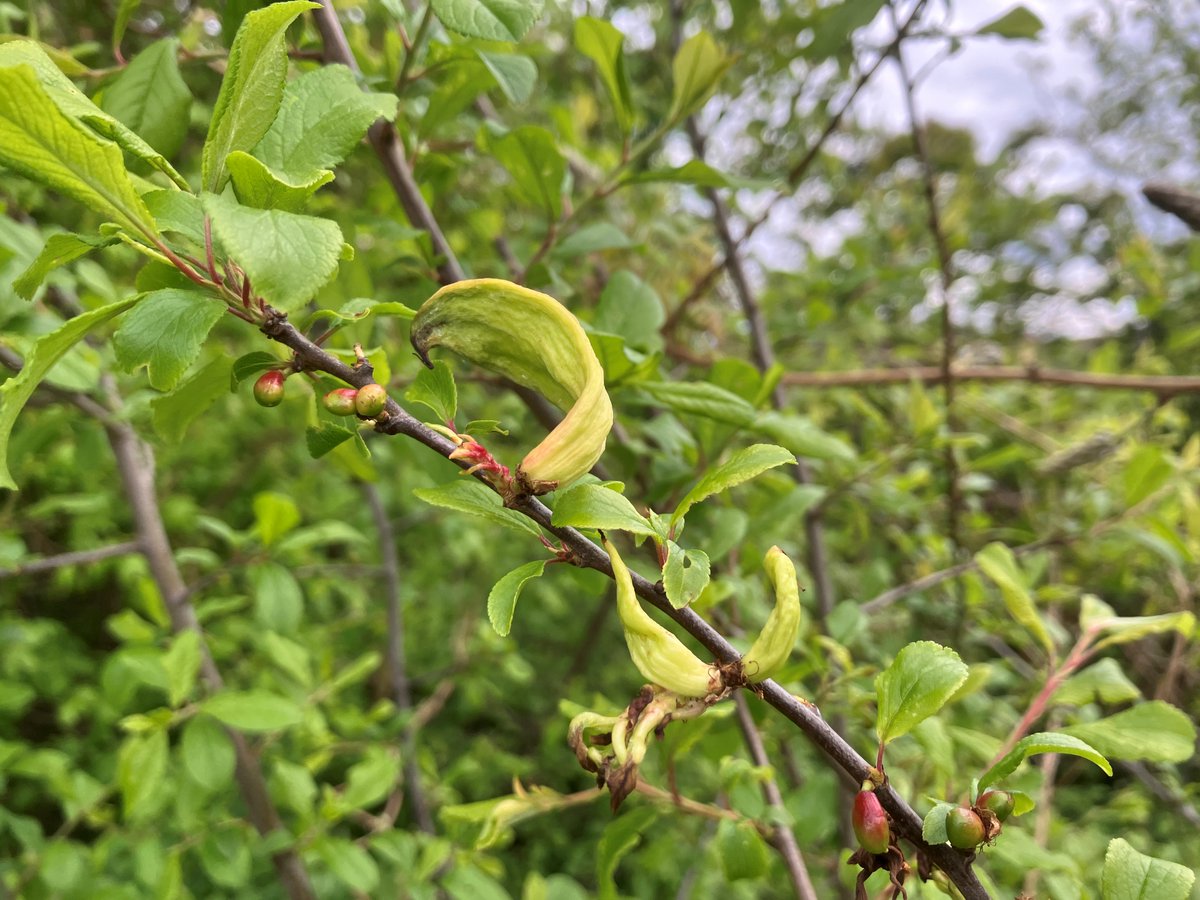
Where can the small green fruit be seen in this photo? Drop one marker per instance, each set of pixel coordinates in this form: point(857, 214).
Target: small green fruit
point(964, 828)
point(870, 822)
point(999, 802)
point(340, 402)
point(371, 400)
point(268, 390)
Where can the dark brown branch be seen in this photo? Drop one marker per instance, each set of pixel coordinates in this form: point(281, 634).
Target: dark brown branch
point(1182, 204)
point(75, 558)
point(1162, 386)
point(395, 657)
point(587, 554)
point(784, 838)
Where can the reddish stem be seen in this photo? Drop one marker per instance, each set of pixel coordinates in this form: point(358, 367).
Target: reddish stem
point(208, 251)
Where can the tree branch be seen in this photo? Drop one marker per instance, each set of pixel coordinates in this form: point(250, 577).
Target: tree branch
point(946, 273)
point(395, 657)
point(784, 837)
point(75, 558)
point(1182, 204)
point(1162, 386)
point(586, 554)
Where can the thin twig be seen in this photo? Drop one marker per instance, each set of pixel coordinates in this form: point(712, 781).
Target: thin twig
point(74, 558)
point(587, 554)
point(783, 838)
point(954, 498)
point(396, 662)
point(135, 461)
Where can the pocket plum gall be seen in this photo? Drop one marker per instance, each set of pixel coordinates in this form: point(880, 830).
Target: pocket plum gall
point(340, 401)
point(268, 390)
point(870, 822)
point(370, 400)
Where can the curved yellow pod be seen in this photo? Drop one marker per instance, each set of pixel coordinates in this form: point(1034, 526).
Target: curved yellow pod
point(778, 636)
point(532, 339)
point(660, 656)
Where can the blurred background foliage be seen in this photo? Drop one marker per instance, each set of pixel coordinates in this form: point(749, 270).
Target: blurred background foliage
point(112, 784)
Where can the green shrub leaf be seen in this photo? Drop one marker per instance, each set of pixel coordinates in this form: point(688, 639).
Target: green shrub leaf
point(920, 680)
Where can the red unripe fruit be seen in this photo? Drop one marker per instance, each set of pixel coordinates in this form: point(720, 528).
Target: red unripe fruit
point(870, 823)
point(964, 828)
point(999, 802)
point(340, 402)
point(268, 390)
point(371, 400)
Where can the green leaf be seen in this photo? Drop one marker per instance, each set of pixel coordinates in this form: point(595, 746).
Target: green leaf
point(1043, 742)
point(1154, 731)
point(175, 412)
point(252, 89)
point(48, 350)
point(39, 141)
point(933, 827)
point(165, 333)
point(350, 863)
point(591, 238)
point(60, 250)
point(833, 26)
point(250, 366)
point(435, 389)
point(695, 71)
point(469, 496)
point(747, 463)
point(253, 711)
point(1147, 470)
point(1103, 681)
point(257, 186)
point(1016, 24)
point(177, 211)
point(742, 851)
point(531, 156)
point(278, 600)
point(699, 398)
point(321, 439)
point(602, 43)
point(1130, 875)
point(515, 74)
point(920, 680)
point(492, 20)
point(693, 172)
point(630, 308)
point(502, 599)
point(275, 514)
point(371, 779)
point(685, 574)
point(1125, 629)
point(207, 753)
point(287, 256)
point(74, 104)
point(182, 663)
point(323, 116)
point(620, 836)
point(150, 96)
point(593, 506)
point(803, 437)
point(997, 562)
point(141, 771)
point(124, 13)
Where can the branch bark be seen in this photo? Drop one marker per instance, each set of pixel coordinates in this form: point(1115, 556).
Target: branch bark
point(1162, 386)
point(75, 558)
point(586, 554)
